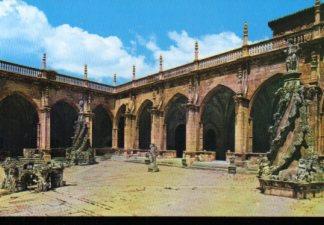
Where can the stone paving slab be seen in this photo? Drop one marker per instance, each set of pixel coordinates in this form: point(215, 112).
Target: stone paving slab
point(114, 188)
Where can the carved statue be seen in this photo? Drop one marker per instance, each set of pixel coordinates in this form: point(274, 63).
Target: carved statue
point(291, 138)
point(81, 151)
point(130, 107)
point(152, 153)
point(292, 57)
point(242, 76)
point(193, 91)
point(158, 98)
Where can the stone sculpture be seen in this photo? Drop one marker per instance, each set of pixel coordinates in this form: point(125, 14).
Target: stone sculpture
point(81, 152)
point(31, 171)
point(292, 157)
point(152, 153)
point(292, 58)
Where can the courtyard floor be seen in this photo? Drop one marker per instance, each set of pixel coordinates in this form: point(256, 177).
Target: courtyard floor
point(113, 188)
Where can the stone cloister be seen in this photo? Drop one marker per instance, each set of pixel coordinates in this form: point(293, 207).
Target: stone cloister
point(209, 106)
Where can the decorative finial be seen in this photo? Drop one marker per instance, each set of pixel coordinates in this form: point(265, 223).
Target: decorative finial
point(134, 72)
point(317, 11)
point(245, 33)
point(161, 63)
point(196, 50)
point(115, 79)
point(44, 61)
point(85, 76)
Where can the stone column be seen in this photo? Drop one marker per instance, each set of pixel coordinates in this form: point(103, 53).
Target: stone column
point(44, 143)
point(128, 134)
point(241, 124)
point(155, 128)
point(115, 137)
point(45, 129)
point(201, 136)
point(88, 116)
point(162, 133)
point(192, 128)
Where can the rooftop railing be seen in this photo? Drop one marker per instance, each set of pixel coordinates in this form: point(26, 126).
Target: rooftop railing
point(19, 69)
point(262, 47)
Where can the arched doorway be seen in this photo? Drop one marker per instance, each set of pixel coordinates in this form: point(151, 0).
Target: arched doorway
point(121, 127)
point(218, 119)
point(63, 117)
point(176, 119)
point(18, 125)
point(264, 105)
point(145, 126)
point(102, 128)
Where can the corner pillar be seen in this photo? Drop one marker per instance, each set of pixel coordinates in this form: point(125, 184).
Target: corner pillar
point(241, 124)
point(157, 129)
point(128, 135)
point(44, 128)
point(192, 131)
point(115, 137)
point(88, 117)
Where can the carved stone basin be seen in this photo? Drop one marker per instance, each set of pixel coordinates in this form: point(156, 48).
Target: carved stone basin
point(291, 189)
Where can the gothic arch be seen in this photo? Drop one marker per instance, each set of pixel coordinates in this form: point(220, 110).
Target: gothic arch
point(102, 125)
point(262, 107)
point(175, 123)
point(144, 124)
point(209, 95)
point(63, 117)
point(68, 101)
point(18, 124)
point(218, 120)
point(23, 95)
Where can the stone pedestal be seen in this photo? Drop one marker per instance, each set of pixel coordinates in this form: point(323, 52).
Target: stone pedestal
point(199, 156)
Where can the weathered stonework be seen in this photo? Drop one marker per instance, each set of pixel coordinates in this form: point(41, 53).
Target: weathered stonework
point(243, 72)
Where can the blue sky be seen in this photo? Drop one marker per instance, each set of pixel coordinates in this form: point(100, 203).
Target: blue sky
point(112, 35)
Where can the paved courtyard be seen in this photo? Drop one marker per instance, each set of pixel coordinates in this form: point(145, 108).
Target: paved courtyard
point(112, 188)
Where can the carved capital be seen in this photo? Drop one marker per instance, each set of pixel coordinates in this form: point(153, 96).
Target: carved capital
point(45, 109)
point(192, 107)
point(240, 99)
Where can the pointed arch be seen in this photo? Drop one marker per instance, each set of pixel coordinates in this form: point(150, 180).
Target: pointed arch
point(263, 105)
point(19, 121)
point(218, 119)
point(120, 125)
point(63, 117)
point(175, 123)
point(102, 125)
point(144, 124)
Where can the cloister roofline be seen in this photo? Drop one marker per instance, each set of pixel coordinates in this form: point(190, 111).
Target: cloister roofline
point(254, 50)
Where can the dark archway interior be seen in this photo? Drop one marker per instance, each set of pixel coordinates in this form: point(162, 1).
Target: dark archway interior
point(145, 126)
point(102, 128)
point(18, 125)
point(121, 127)
point(219, 122)
point(210, 139)
point(63, 117)
point(180, 139)
point(263, 108)
point(176, 118)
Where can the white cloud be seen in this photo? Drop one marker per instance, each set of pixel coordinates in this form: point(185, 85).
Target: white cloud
point(183, 49)
point(27, 30)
